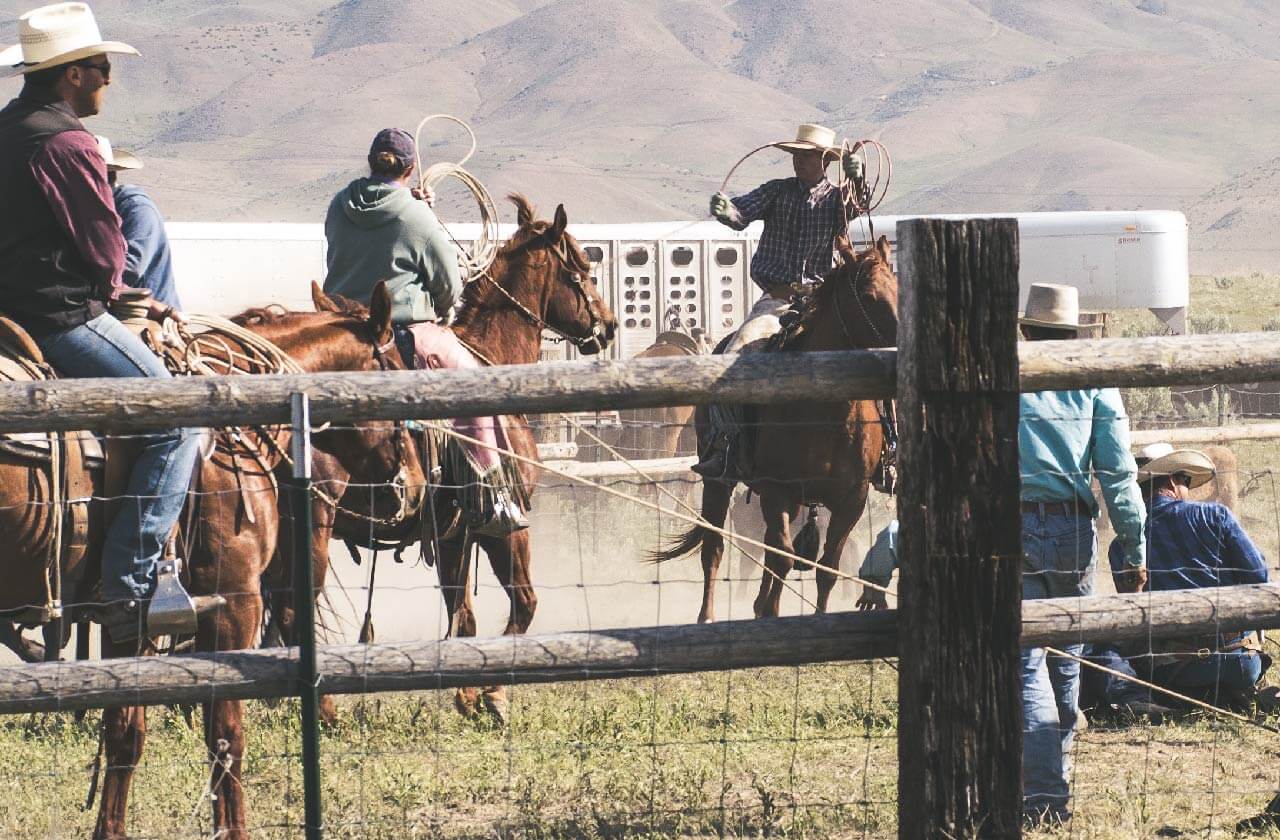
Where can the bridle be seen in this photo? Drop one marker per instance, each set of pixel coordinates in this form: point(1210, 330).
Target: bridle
point(592, 343)
point(857, 298)
point(398, 482)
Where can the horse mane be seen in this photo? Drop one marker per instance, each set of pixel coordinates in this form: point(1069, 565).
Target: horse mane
point(275, 313)
point(823, 298)
point(530, 231)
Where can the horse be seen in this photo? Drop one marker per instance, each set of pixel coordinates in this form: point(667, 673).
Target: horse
point(832, 462)
point(657, 432)
point(540, 280)
point(229, 536)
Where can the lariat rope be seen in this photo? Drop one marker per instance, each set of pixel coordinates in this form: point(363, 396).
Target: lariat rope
point(480, 255)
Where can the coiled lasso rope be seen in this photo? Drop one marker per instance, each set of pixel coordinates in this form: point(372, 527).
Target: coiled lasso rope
point(862, 197)
point(476, 259)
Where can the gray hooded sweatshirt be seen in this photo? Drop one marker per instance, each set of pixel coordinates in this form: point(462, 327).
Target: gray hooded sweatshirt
point(379, 231)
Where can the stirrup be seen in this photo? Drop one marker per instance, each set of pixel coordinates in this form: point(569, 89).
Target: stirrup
point(172, 610)
point(507, 517)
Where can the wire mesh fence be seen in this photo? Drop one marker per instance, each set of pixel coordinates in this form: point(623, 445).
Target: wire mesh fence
point(800, 751)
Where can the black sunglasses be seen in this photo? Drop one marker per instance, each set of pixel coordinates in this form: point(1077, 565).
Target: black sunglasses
point(104, 68)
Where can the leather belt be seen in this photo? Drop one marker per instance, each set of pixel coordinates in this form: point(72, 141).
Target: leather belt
point(1072, 508)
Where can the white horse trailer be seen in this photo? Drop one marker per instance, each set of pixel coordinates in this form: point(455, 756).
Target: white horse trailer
point(695, 275)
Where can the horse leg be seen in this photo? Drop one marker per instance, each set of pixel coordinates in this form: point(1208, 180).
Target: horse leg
point(233, 628)
point(124, 732)
point(454, 576)
point(777, 535)
point(715, 509)
point(509, 557)
point(843, 518)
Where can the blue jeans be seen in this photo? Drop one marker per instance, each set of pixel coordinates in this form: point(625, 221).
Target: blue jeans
point(158, 485)
point(1236, 670)
point(1058, 557)
point(1103, 689)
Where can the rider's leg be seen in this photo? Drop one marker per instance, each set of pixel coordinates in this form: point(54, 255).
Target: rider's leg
point(158, 485)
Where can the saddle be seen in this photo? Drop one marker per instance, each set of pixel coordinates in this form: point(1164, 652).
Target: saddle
point(69, 458)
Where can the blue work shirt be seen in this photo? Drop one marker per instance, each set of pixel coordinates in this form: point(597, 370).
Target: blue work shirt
point(1192, 545)
point(1064, 437)
point(147, 263)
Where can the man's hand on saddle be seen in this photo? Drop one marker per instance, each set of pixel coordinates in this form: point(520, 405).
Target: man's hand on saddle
point(722, 208)
point(424, 193)
point(1131, 580)
point(159, 312)
point(871, 599)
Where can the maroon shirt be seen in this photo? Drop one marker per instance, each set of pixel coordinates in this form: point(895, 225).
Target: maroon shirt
point(70, 172)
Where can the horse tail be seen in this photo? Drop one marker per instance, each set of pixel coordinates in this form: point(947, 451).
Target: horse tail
point(689, 542)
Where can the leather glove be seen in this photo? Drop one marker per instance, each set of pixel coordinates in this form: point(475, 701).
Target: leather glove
point(852, 165)
point(721, 207)
point(1131, 580)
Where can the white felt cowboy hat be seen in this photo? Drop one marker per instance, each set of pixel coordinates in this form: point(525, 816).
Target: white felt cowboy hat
point(1052, 306)
point(116, 159)
point(811, 138)
point(1159, 459)
point(54, 35)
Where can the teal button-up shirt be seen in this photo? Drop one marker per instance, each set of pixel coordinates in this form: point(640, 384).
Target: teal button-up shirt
point(1064, 437)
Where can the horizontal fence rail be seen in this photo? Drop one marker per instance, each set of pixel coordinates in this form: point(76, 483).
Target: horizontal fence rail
point(604, 654)
point(136, 404)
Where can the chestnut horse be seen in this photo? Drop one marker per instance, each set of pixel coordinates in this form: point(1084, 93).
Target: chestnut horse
point(810, 452)
point(656, 432)
point(540, 280)
point(230, 535)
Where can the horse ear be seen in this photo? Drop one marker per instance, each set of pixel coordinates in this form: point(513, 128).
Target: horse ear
point(380, 313)
point(559, 224)
point(321, 301)
point(883, 249)
point(844, 248)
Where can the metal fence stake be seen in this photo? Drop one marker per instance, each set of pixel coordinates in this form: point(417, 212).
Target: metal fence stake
point(304, 617)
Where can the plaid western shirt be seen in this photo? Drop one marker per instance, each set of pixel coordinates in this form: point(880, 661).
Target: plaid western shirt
point(799, 226)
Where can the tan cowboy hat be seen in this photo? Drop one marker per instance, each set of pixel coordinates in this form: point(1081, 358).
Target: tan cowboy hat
point(1053, 306)
point(811, 138)
point(1159, 459)
point(54, 35)
point(117, 159)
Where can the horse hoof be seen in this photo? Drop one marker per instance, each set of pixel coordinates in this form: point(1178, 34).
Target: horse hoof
point(496, 704)
point(467, 703)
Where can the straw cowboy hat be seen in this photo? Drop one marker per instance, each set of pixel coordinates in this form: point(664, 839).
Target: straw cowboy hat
point(1053, 306)
point(54, 35)
point(1160, 459)
point(811, 138)
point(116, 159)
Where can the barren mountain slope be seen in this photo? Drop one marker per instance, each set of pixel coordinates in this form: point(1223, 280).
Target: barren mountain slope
point(630, 110)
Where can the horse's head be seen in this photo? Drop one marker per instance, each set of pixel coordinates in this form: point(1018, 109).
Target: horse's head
point(862, 291)
point(544, 268)
point(342, 335)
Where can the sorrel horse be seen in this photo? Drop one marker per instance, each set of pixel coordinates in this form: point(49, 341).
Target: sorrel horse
point(540, 280)
point(656, 432)
point(231, 536)
point(832, 461)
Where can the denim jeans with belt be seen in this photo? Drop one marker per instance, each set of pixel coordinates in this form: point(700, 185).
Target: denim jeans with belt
point(1058, 553)
point(157, 487)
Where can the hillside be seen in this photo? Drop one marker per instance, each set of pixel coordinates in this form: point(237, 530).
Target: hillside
point(633, 110)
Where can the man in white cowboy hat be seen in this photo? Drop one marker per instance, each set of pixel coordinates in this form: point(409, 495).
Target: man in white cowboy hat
point(148, 263)
point(1195, 545)
point(1064, 439)
point(802, 216)
point(61, 259)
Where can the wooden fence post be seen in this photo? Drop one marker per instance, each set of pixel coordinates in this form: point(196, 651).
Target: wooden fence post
point(960, 594)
